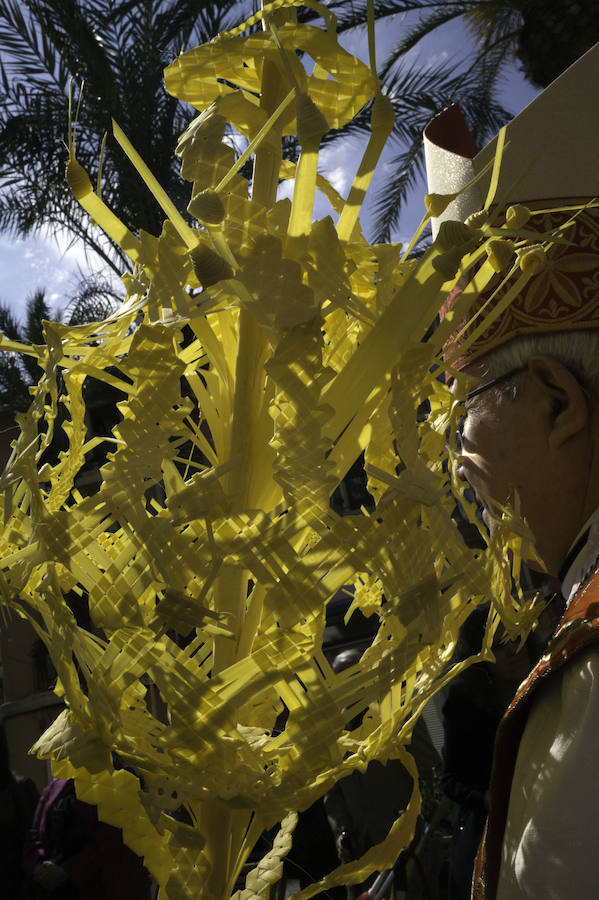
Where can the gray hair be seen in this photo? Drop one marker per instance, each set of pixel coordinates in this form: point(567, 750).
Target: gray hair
point(577, 350)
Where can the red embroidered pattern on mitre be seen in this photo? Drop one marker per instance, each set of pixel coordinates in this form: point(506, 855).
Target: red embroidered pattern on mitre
point(564, 296)
point(578, 628)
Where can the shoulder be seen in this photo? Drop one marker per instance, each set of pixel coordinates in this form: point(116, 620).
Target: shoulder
point(585, 603)
point(550, 834)
point(565, 715)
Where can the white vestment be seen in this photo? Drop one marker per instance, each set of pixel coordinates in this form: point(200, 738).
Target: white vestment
point(551, 840)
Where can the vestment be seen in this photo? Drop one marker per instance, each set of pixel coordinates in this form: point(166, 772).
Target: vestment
point(92, 854)
point(540, 837)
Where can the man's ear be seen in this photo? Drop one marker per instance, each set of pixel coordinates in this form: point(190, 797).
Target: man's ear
point(565, 399)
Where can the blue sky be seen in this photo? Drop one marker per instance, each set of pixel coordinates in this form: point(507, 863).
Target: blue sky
point(50, 261)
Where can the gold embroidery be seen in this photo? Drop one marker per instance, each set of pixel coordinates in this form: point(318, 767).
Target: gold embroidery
point(562, 296)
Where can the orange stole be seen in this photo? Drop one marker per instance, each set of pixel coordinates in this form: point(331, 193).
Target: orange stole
point(578, 628)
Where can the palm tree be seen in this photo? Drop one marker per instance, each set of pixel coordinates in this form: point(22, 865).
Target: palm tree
point(119, 51)
point(93, 300)
point(18, 372)
point(542, 38)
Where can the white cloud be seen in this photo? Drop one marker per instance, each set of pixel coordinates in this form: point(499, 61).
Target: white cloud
point(49, 261)
point(340, 178)
point(436, 59)
point(322, 207)
point(285, 189)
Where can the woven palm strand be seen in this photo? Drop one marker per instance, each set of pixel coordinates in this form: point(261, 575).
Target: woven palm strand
point(257, 355)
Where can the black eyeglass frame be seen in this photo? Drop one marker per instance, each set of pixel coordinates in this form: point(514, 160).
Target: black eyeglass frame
point(485, 387)
point(489, 384)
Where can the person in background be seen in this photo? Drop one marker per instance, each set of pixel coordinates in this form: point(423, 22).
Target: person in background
point(476, 701)
point(70, 855)
point(18, 799)
point(362, 806)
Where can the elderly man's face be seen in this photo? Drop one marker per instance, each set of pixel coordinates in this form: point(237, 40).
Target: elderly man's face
point(501, 447)
point(536, 445)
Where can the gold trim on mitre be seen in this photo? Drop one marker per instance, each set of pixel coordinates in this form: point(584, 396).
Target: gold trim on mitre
point(550, 161)
point(562, 296)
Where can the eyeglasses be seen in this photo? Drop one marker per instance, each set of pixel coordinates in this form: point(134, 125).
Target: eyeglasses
point(479, 390)
point(489, 384)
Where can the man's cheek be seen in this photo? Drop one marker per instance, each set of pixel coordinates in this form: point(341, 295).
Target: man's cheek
point(472, 472)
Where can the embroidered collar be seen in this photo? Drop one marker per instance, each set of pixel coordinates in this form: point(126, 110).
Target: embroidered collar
point(582, 558)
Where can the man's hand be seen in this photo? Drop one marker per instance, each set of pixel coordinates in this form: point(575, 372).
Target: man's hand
point(49, 875)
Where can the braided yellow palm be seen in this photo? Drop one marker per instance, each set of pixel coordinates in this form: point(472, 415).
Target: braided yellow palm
point(259, 353)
